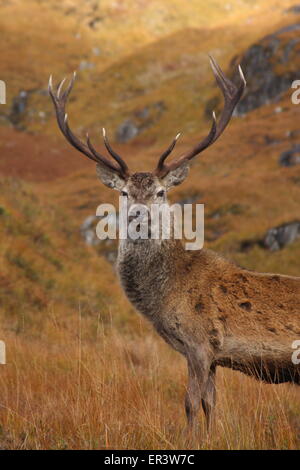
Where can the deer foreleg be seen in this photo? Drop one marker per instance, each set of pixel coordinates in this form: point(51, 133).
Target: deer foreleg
point(198, 373)
point(209, 398)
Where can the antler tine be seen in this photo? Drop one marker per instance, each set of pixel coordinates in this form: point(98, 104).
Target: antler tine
point(98, 157)
point(60, 102)
point(114, 154)
point(59, 99)
point(232, 94)
point(166, 153)
point(162, 169)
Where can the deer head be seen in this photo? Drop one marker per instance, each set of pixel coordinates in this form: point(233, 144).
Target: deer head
point(147, 188)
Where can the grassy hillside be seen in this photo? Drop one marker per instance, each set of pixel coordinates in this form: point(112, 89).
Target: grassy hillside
point(140, 54)
point(84, 370)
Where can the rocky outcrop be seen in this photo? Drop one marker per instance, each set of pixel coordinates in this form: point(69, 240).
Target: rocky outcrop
point(22, 108)
point(107, 248)
point(279, 237)
point(293, 9)
point(88, 230)
point(276, 238)
point(270, 66)
point(140, 120)
point(290, 157)
point(126, 131)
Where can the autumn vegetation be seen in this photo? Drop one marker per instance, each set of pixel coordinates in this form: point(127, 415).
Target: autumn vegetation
point(84, 370)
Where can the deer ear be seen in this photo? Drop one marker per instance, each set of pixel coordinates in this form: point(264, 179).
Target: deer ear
point(109, 177)
point(176, 176)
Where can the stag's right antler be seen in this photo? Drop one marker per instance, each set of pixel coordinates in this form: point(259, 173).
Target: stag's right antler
point(59, 99)
point(232, 95)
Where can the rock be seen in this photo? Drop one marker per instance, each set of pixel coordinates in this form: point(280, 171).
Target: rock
point(107, 248)
point(288, 28)
point(290, 157)
point(111, 256)
point(269, 140)
point(96, 51)
point(288, 49)
point(278, 237)
point(247, 245)
point(88, 222)
point(143, 113)
point(293, 134)
point(22, 108)
point(88, 230)
point(159, 106)
point(90, 237)
point(126, 131)
point(94, 22)
point(140, 120)
point(293, 9)
point(85, 65)
point(263, 84)
point(18, 107)
point(265, 80)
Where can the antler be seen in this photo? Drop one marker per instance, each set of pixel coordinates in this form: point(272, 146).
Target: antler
point(60, 99)
point(232, 95)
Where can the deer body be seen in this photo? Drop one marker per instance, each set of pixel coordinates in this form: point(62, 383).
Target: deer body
point(214, 313)
point(245, 318)
point(207, 308)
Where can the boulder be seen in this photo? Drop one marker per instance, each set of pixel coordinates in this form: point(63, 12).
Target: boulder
point(264, 83)
point(290, 157)
point(295, 9)
point(140, 120)
point(88, 230)
point(270, 66)
point(278, 237)
point(127, 131)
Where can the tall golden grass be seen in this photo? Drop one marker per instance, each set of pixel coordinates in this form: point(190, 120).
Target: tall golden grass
point(125, 391)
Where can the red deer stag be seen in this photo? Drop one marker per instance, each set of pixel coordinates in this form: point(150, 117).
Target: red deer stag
point(210, 310)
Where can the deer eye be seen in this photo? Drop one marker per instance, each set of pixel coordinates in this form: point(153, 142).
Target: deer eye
point(160, 193)
point(124, 193)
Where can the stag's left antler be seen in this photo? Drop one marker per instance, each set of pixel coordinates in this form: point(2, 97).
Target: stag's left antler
point(232, 95)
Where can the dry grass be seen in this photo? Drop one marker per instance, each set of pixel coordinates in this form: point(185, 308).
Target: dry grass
point(120, 391)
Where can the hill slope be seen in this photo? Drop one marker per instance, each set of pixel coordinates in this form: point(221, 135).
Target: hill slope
point(84, 370)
